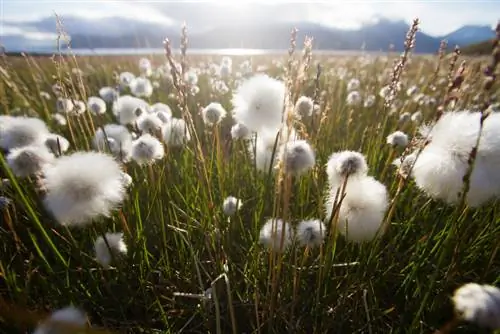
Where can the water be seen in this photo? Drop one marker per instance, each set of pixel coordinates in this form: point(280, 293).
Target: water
point(215, 52)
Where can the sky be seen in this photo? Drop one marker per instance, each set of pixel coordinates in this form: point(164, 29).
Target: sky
point(437, 17)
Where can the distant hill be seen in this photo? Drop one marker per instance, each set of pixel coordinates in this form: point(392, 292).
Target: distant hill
point(129, 33)
point(470, 34)
point(482, 48)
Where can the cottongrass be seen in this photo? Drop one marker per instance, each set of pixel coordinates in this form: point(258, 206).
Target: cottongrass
point(354, 99)
point(276, 235)
point(64, 106)
point(479, 304)
point(310, 233)
point(259, 103)
point(141, 87)
point(114, 137)
point(28, 160)
point(96, 105)
point(22, 131)
point(108, 94)
point(149, 123)
point(297, 156)
point(147, 149)
point(213, 113)
point(63, 321)
point(398, 139)
point(82, 187)
point(443, 162)
point(240, 131)
point(127, 108)
point(304, 107)
point(104, 254)
point(346, 164)
point(362, 209)
point(176, 133)
point(231, 205)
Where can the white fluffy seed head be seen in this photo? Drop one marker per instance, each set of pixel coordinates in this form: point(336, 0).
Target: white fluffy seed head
point(353, 85)
point(82, 187)
point(442, 164)
point(108, 94)
point(231, 205)
point(163, 109)
point(213, 113)
point(369, 101)
point(56, 144)
point(405, 164)
point(416, 117)
point(96, 105)
point(240, 131)
point(345, 163)
point(297, 156)
point(310, 233)
point(259, 103)
point(127, 179)
point(114, 138)
point(60, 119)
point(127, 108)
point(147, 149)
point(125, 79)
point(362, 209)
point(176, 133)
point(66, 320)
point(28, 160)
point(116, 244)
point(64, 106)
point(276, 235)
point(398, 138)
point(141, 87)
point(22, 131)
point(304, 106)
point(145, 66)
point(353, 98)
point(149, 123)
point(479, 304)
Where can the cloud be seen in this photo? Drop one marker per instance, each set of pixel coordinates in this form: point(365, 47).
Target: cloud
point(27, 33)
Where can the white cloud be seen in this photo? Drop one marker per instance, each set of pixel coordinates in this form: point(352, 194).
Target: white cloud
point(27, 32)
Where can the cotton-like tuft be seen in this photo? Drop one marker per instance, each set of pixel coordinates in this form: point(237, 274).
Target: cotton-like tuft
point(259, 103)
point(96, 105)
point(369, 101)
point(116, 244)
point(405, 164)
point(310, 233)
point(213, 113)
point(108, 94)
point(145, 67)
point(353, 98)
point(442, 164)
point(297, 156)
point(398, 138)
point(22, 131)
point(115, 138)
point(416, 117)
point(79, 107)
point(240, 131)
point(63, 321)
point(147, 149)
point(28, 160)
point(345, 163)
point(353, 85)
point(176, 133)
point(362, 209)
point(479, 304)
point(231, 205)
point(125, 79)
point(64, 106)
point(127, 179)
point(56, 144)
point(304, 107)
point(191, 78)
point(412, 90)
point(276, 235)
point(149, 123)
point(82, 187)
point(141, 87)
point(127, 108)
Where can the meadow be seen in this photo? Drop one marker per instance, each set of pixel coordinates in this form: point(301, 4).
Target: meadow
point(189, 259)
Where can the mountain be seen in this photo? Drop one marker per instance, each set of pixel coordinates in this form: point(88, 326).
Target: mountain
point(470, 34)
point(481, 48)
point(129, 33)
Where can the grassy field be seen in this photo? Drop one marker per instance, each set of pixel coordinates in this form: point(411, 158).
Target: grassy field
point(189, 267)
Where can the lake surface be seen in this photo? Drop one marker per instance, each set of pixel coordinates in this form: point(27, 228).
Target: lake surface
point(215, 52)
